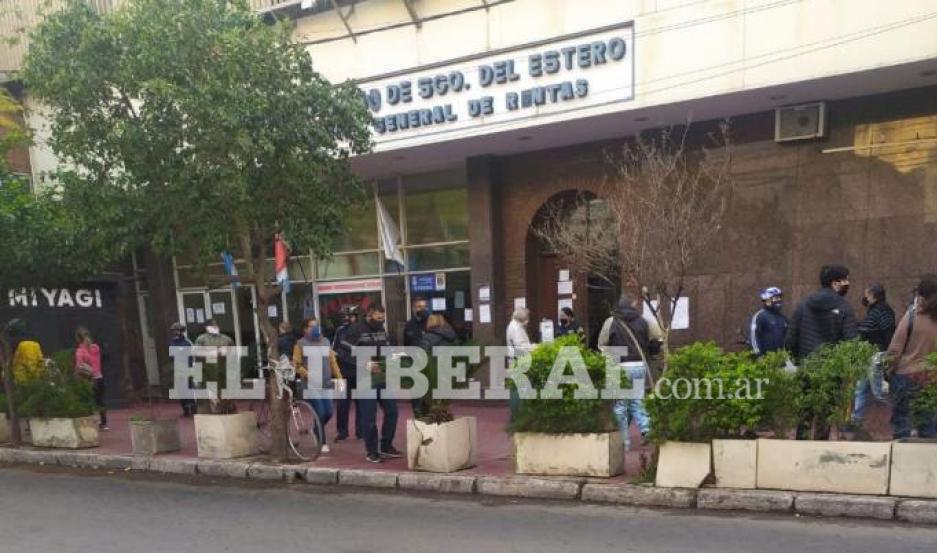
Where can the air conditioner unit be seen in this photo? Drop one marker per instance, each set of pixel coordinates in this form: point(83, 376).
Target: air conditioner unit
point(803, 122)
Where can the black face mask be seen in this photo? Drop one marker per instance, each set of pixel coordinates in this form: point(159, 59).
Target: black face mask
point(775, 306)
point(422, 314)
point(844, 290)
point(865, 301)
point(375, 325)
point(564, 322)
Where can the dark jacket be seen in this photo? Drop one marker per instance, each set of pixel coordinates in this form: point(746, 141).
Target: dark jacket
point(823, 318)
point(571, 328)
point(345, 363)
point(439, 336)
point(413, 331)
point(618, 335)
point(768, 331)
point(878, 326)
point(361, 334)
point(285, 343)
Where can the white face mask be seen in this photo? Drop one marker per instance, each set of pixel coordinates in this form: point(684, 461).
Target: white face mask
point(212, 330)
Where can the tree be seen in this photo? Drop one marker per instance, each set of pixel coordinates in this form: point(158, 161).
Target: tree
point(44, 244)
point(209, 126)
point(663, 204)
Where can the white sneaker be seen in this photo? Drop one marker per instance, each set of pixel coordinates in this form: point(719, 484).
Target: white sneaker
point(326, 448)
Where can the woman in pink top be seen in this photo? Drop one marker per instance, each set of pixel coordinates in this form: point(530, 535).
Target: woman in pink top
point(88, 364)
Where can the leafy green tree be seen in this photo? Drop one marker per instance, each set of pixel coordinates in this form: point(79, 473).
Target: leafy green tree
point(200, 128)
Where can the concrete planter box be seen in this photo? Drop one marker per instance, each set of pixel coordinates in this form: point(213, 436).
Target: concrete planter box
point(683, 465)
point(152, 437)
point(599, 455)
point(446, 447)
point(914, 469)
point(735, 463)
point(823, 466)
point(79, 433)
point(226, 436)
point(4, 428)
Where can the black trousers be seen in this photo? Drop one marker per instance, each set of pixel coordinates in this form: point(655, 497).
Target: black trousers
point(344, 409)
point(98, 387)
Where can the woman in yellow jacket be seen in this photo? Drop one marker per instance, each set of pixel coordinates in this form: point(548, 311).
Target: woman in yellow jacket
point(312, 337)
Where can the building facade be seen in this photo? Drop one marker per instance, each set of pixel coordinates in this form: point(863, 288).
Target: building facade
point(487, 111)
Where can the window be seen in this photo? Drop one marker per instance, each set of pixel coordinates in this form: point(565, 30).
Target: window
point(349, 265)
point(436, 206)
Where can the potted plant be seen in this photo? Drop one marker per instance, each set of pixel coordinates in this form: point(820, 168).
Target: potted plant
point(60, 408)
point(438, 441)
point(149, 435)
point(568, 435)
point(709, 406)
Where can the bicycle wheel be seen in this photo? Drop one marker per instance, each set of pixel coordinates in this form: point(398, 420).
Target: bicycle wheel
point(264, 437)
point(305, 428)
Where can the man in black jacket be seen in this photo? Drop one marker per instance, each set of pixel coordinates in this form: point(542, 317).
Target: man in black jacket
point(372, 333)
point(823, 318)
point(877, 328)
point(416, 326)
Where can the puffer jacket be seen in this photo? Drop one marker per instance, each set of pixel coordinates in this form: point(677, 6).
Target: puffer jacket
point(824, 317)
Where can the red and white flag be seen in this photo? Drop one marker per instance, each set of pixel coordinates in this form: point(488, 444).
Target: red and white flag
point(281, 254)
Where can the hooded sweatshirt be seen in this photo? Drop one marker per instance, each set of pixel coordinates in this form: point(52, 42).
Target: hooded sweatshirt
point(614, 334)
point(824, 317)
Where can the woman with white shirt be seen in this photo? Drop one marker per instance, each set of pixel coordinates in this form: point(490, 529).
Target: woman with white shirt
point(519, 345)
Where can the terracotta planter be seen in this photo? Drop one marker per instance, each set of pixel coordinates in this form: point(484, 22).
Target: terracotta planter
point(599, 455)
point(226, 436)
point(446, 447)
point(152, 437)
point(78, 433)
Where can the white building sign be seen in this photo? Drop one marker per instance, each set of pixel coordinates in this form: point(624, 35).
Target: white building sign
point(505, 90)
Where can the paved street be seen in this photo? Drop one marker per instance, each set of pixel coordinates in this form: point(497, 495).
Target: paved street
point(59, 512)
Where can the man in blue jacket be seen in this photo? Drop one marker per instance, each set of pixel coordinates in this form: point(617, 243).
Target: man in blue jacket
point(769, 325)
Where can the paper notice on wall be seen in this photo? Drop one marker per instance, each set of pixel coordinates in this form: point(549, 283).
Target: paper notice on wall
point(484, 293)
point(520, 302)
point(484, 314)
point(468, 315)
point(646, 311)
point(440, 282)
point(272, 311)
point(565, 302)
point(200, 316)
point(546, 331)
point(439, 304)
point(189, 315)
point(681, 315)
point(564, 275)
point(459, 299)
point(218, 308)
point(564, 287)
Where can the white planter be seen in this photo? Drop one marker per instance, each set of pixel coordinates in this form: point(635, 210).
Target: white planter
point(914, 469)
point(445, 447)
point(599, 455)
point(824, 466)
point(683, 465)
point(65, 433)
point(4, 428)
point(152, 437)
point(226, 436)
point(735, 463)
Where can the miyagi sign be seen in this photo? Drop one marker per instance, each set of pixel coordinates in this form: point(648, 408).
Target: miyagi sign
point(55, 297)
point(511, 88)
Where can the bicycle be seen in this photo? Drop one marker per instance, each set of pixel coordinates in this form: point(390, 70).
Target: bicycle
point(304, 429)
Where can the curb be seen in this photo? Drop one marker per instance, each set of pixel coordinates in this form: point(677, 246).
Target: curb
point(918, 511)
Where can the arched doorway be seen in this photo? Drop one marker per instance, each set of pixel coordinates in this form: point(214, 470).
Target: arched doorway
point(592, 297)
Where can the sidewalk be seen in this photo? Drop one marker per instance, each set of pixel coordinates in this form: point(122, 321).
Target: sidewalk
point(494, 443)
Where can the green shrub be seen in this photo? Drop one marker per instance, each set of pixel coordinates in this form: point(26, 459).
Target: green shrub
point(435, 410)
point(64, 360)
point(58, 394)
point(567, 415)
point(738, 395)
point(924, 404)
point(828, 380)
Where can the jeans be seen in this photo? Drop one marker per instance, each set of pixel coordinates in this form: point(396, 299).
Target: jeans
point(344, 408)
point(904, 389)
point(367, 411)
point(864, 388)
point(323, 409)
point(628, 410)
point(98, 387)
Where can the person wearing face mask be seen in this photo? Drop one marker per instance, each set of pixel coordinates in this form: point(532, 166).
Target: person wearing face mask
point(877, 328)
point(416, 326)
point(825, 317)
point(177, 339)
point(346, 363)
point(372, 333)
point(213, 367)
point(312, 337)
point(568, 324)
point(769, 325)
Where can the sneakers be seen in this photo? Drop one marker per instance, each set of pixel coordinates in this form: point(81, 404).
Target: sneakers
point(390, 452)
point(326, 449)
point(373, 458)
